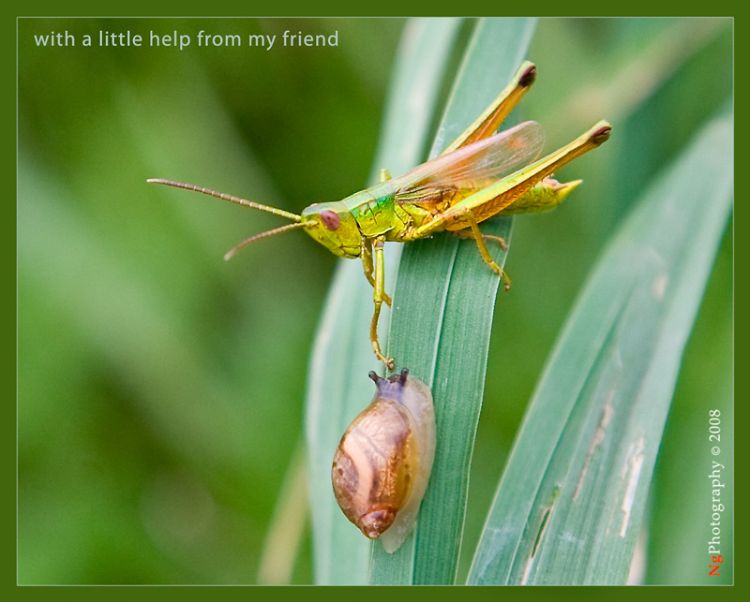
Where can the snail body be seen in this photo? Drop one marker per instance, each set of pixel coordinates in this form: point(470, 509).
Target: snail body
point(382, 463)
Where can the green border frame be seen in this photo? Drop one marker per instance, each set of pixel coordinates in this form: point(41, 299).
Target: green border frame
point(387, 8)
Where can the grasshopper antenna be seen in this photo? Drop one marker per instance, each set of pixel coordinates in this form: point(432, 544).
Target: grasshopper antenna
point(248, 241)
point(228, 197)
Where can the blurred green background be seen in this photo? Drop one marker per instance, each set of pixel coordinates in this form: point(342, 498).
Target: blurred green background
point(161, 389)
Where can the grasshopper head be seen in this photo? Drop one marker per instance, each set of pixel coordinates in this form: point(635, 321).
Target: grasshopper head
point(334, 227)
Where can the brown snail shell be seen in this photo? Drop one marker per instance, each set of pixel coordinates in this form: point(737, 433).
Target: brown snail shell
point(383, 461)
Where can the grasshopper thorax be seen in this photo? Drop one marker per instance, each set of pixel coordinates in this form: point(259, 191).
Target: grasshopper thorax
point(334, 227)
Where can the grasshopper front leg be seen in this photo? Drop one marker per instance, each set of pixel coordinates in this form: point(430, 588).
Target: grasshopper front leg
point(378, 297)
point(368, 268)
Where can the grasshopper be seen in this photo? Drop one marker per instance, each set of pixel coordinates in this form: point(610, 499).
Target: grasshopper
point(480, 175)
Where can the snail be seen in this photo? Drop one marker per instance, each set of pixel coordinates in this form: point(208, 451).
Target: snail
point(383, 461)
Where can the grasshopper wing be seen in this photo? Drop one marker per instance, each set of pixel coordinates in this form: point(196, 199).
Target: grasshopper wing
point(472, 167)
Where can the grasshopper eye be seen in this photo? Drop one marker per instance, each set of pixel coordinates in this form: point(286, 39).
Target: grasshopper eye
point(330, 219)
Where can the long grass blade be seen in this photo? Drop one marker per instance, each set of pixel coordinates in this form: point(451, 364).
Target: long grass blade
point(570, 505)
point(443, 307)
point(338, 387)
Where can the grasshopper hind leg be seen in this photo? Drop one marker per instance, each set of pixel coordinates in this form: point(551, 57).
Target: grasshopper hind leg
point(474, 233)
point(469, 234)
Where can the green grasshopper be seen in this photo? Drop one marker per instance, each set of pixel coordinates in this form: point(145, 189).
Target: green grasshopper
point(480, 175)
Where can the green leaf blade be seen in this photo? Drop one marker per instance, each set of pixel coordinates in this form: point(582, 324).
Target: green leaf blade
point(570, 505)
point(338, 387)
point(443, 307)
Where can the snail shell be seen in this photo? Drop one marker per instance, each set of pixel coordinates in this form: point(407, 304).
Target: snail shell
point(383, 461)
